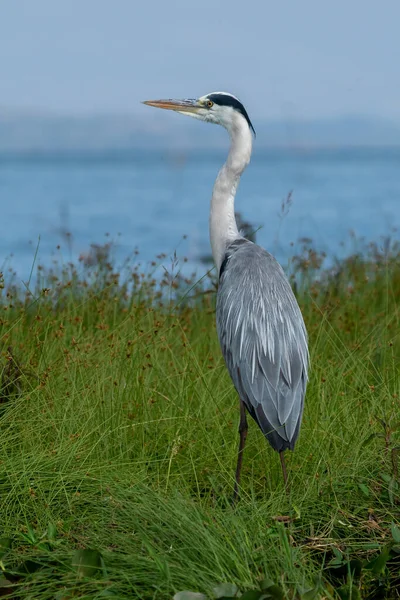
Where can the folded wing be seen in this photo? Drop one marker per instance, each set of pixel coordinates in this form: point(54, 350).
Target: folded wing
point(263, 340)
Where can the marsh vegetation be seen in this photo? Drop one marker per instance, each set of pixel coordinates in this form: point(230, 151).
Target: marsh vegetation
point(119, 437)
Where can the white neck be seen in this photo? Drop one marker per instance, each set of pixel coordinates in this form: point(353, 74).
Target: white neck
point(223, 228)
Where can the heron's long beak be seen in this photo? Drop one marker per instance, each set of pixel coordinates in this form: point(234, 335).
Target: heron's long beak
point(183, 106)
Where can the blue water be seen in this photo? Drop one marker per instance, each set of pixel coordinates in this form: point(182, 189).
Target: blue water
point(151, 201)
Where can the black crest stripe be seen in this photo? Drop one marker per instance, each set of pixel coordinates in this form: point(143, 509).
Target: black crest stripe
point(227, 100)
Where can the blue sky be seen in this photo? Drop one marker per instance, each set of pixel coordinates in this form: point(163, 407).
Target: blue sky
point(291, 59)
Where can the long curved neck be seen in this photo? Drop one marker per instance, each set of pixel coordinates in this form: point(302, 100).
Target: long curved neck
point(223, 228)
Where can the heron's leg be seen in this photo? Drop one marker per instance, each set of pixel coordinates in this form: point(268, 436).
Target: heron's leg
point(283, 465)
point(243, 435)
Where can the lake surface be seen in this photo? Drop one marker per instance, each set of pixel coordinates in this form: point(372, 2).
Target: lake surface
point(150, 201)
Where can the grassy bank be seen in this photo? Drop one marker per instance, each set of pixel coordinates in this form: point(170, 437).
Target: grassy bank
point(119, 437)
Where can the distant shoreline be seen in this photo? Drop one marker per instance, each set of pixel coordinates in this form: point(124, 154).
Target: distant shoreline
point(22, 132)
point(174, 155)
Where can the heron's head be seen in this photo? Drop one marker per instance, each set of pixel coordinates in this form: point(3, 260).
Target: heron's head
point(218, 107)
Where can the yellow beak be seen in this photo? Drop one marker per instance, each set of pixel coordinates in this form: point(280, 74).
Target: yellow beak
point(189, 106)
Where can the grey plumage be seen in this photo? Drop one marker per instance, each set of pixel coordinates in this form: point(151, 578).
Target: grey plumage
point(263, 340)
point(260, 326)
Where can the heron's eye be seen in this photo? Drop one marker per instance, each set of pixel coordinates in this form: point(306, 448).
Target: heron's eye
point(209, 103)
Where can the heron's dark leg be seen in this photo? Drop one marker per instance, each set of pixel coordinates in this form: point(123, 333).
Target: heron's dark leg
point(243, 435)
point(283, 465)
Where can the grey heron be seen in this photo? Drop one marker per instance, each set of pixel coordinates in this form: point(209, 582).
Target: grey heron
point(259, 323)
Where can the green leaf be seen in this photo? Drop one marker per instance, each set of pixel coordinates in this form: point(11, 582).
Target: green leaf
point(44, 546)
point(310, 594)
point(386, 478)
point(364, 489)
point(189, 596)
point(313, 592)
point(338, 560)
point(337, 553)
point(86, 562)
point(5, 545)
point(297, 511)
point(51, 532)
point(271, 589)
point(349, 592)
point(275, 591)
point(395, 533)
point(225, 590)
point(266, 583)
point(32, 535)
point(377, 565)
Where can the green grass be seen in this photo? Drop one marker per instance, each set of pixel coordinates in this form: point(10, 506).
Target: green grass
point(118, 426)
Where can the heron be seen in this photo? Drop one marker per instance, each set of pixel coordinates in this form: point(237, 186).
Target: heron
point(260, 327)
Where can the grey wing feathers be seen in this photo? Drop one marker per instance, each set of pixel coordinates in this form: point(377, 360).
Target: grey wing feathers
point(263, 340)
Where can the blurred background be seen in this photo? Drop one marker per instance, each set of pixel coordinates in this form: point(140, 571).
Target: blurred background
point(82, 161)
